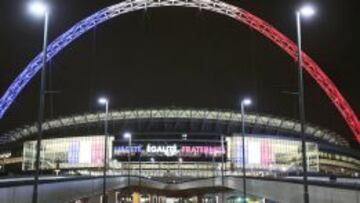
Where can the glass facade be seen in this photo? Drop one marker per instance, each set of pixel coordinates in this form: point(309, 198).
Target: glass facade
point(265, 153)
point(75, 152)
point(261, 153)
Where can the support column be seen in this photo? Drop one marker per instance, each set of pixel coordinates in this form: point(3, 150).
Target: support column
point(77, 201)
point(112, 197)
point(93, 199)
point(199, 198)
point(221, 197)
point(152, 198)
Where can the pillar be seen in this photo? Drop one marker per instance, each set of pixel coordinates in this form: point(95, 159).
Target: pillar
point(199, 198)
point(221, 197)
point(112, 197)
point(93, 199)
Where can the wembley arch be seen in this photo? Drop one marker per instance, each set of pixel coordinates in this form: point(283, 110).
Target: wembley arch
point(216, 6)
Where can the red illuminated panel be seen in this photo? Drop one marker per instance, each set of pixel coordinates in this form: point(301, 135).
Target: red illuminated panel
point(97, 152)
point(266, 153)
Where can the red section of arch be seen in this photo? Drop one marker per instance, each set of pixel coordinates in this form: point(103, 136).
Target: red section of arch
point(309, 65)
point(217, 6)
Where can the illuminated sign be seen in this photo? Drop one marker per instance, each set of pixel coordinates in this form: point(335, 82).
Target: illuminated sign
point(121, 150)
point(202, 150)
point(167, 150)
point(188, 150)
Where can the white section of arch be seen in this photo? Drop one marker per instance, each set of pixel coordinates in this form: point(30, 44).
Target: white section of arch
point(211, 5)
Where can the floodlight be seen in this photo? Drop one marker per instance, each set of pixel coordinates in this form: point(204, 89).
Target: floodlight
point(38, 8)
point(307, 10)
point(246, 102)
point(127, 135)
point(103, 100)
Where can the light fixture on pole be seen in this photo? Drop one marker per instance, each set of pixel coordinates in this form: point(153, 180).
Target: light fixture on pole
point(306, 11)
point(244, 102)
point(184, 136)
point(128, 136)
point(105, 101)
point(39, 8)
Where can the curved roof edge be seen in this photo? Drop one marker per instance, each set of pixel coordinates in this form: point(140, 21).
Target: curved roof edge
point(173, 113)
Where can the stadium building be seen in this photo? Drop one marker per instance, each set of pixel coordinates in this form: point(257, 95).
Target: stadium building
point(178, 144)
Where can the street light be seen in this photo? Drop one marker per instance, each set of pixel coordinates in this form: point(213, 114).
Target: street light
point(105, 101)
point(222, 165)
point(247, 102)
point(184, 136)
point(102, 100)
point(127, 135)
point(222, 141)
point(305, 11)
point(180, 160)
point(39, 8)
point(244, 102)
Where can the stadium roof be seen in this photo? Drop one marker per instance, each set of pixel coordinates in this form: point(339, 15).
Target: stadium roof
point(194, 115)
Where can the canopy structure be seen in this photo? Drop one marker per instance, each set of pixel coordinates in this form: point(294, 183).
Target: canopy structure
point(225, 122)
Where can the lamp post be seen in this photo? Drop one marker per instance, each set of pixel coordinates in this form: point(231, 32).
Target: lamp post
point(105, 101)
point(152, 160)
point(305, 11)
point(222, 166)
point(214, 175)
point(180, 168)
point(128, 136)
point(39, 8)
point(222, 158)
point(244, 102)
point(139, 168)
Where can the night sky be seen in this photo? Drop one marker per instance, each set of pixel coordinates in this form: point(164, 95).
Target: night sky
point(181, 57)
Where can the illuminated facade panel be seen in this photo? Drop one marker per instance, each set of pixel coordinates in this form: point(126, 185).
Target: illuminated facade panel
point(72, 152)
point(169, 151)
point(261, 153)
point(266, 153)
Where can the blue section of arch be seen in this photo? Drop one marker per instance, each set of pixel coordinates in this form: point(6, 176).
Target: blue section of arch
point(55, 47)
point(217, 6)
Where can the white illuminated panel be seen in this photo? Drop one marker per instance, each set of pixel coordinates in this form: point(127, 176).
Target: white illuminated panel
point(85, 152)
point(69, 152)
point(254, 155)
point(267, 152)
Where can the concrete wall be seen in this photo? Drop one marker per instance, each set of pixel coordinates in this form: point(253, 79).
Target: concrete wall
point(293, 192)
point(68, 190)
